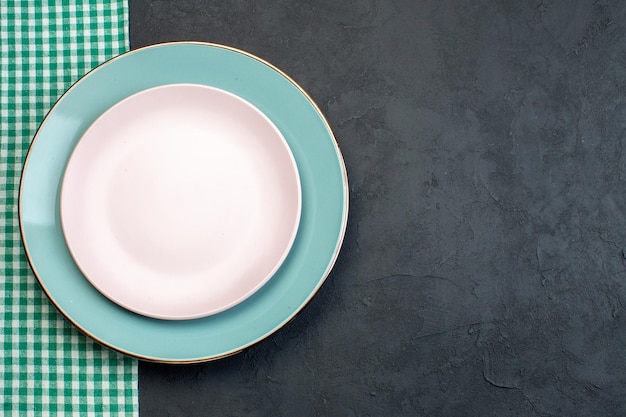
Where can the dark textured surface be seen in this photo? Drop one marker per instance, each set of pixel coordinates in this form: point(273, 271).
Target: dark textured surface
point(484, 266)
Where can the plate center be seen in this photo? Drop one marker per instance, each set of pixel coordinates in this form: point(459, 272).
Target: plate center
point(203, 206)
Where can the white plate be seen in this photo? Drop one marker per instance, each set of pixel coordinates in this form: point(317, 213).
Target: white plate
point(180, 201)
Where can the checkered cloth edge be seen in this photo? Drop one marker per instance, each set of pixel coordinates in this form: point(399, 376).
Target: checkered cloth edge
point(47, 367)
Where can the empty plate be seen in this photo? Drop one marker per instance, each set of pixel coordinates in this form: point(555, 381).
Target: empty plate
point(321, 229)
point(180, 201)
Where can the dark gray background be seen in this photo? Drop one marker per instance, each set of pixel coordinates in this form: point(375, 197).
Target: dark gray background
point(484, 268)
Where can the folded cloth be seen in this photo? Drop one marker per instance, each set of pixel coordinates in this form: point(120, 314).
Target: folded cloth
point(47, 367)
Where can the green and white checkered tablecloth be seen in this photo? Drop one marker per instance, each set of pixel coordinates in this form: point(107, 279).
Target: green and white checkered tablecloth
point(47, 367)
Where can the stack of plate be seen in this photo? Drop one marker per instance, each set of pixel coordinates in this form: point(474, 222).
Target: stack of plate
point(182, 202)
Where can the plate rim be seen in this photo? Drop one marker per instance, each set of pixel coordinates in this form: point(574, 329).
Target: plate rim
point(288, 318)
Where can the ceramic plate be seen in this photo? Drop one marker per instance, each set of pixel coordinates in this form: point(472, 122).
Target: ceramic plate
point(320, 233)
point(180, 201)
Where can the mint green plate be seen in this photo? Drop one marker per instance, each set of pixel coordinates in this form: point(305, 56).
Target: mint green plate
point(324, 202)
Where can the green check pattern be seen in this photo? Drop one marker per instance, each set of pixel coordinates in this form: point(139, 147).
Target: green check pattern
point(47, 367)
